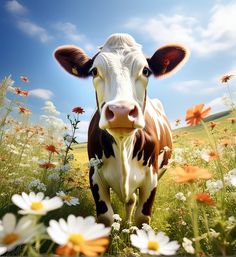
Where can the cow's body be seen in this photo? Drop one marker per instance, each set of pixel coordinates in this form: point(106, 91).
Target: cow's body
point(129, 132)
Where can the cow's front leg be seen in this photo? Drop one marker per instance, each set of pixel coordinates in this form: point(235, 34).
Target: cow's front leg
point(101, 195)
point(129, 206)
point(146, 199)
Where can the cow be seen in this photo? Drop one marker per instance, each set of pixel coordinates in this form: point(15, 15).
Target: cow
point(129, 132)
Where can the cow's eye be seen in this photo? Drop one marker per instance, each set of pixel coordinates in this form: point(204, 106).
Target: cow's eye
point(94, 72)
point(146, 72)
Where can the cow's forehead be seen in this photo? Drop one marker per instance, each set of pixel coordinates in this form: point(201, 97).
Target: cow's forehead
point(120, 49)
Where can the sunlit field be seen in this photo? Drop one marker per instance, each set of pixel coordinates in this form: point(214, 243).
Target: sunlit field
point(195, 204)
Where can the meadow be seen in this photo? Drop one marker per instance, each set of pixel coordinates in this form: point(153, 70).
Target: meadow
point(195, 203)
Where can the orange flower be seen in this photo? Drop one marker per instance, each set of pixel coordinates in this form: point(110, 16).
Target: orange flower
point(204, 198)
point(24, 79)
point(209, 155)
point(212, 125)
point(47, 165)
point(190, 173)
point(24, 110)
point(226, 78)
point(177, 122)
point(87, 248)
point(196, 114)
point(78, 110)
point(21, 92)
point(51, 148)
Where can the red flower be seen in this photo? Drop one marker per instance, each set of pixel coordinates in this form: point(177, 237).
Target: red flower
point(47, 165)
point(51, 148)
point(24, 79)
point(226, 78)
point(204, 198)
point(21, 92)
point(78, 110)
point(24, 110)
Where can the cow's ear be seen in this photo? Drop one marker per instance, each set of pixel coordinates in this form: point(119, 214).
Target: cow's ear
point(74, 60)
point(167, 60)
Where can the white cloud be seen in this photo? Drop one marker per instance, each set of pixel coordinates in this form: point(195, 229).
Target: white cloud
point(197, 86)
point(34, 30)
point(41, 93)
point(49, 107)
point(217, 35)
point(70, 32)
point(15, 7)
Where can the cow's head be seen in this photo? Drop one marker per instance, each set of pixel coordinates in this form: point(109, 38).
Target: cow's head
point(120, 73)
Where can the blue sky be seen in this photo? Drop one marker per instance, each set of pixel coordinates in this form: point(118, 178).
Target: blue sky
point(31, 30)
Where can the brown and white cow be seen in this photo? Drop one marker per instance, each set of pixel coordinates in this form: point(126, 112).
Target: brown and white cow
point(129, 131)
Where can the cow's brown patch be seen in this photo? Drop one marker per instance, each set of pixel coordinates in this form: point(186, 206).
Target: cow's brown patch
point(99, 141)
point(100, 205)
point(147, 207)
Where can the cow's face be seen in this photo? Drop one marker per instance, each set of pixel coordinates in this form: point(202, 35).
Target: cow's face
point(120, 74)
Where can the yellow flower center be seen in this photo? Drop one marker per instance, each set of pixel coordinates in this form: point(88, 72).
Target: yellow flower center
point(76, 239)
point(153, 245)
point(10, 238)
point(67, 198)
point(36, 206)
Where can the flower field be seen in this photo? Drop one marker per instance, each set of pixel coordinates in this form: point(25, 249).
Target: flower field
point(46, 206)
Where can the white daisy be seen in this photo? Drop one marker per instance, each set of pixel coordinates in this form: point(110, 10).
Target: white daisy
point(116, 226)
point(117, 217)
point(78, 233)
point(68, 199)
point(188, 245)
point(180, 196)
point(155, 244)
point(146, 227)
point(35, 203)
point(13, 234)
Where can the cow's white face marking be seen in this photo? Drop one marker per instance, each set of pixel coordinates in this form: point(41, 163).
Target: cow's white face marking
point(120, 74)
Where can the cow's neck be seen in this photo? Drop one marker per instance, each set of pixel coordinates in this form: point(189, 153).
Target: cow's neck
point(123, 152)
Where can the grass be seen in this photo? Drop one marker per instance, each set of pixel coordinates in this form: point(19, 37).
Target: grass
point(28, 162)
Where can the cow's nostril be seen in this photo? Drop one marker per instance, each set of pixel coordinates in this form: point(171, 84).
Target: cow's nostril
point(134, 112)
point(109, 114)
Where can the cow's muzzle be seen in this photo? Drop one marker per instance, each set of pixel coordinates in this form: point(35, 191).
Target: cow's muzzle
point(123, 116)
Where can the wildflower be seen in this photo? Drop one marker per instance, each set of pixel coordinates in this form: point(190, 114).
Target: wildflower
point(209, 155)
point(196, 114)
point(232, 120)
point(37, 184)
point(190, 173)
point(213, 186)
point(20, 92)
point(146, 227)
point(13, 234)
point(116, 226)
point(213, 233)
point(68, 138)
point(78, 110)
point(63, 168)
point(95, 162)
point(35, 204)
point(180, 196)
point(125, 230)
point(51, 148)
point(24, 79)
point(212, 125)
point(226, 78)
point(23, 110)
point(79, 235)
point(53, 176)
point(46, 165)
point(68, 199)
point(188, 245)
point(177, 122)
point(232, 175)
point(117, 217)
point(231, 222)
point(155, 244)
point(204, 198)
